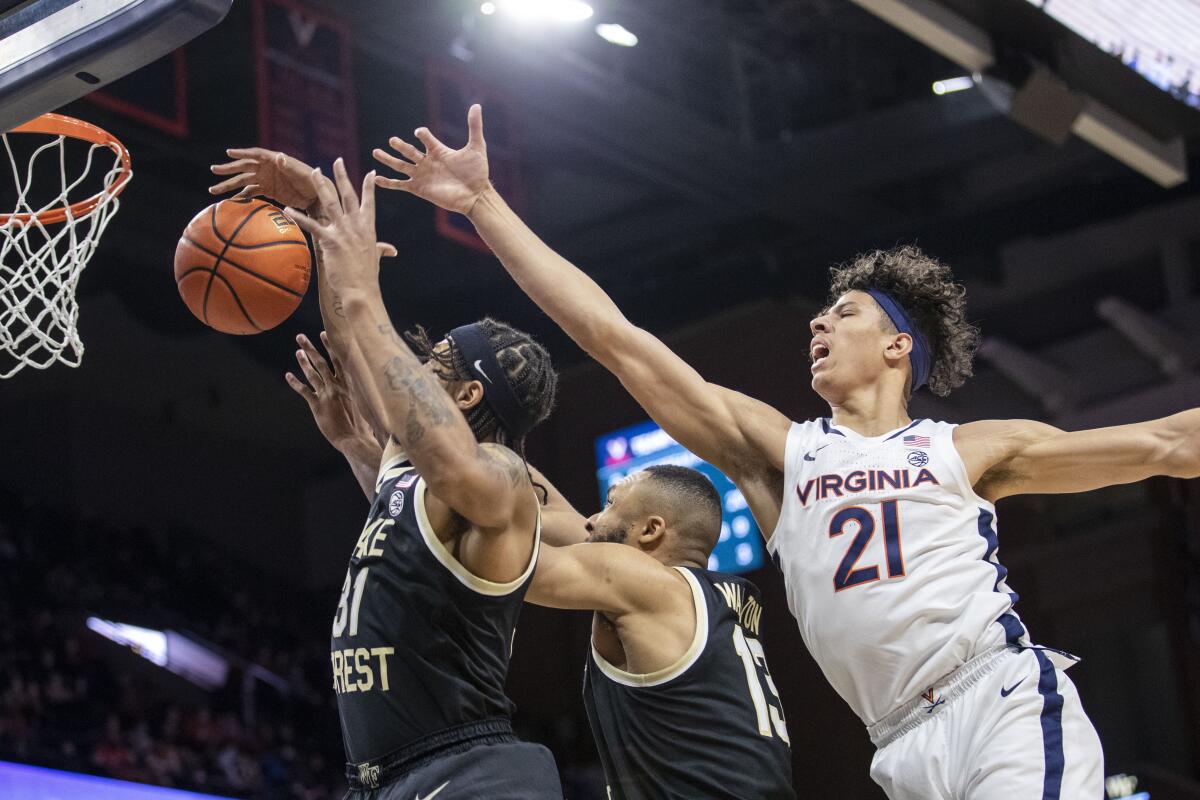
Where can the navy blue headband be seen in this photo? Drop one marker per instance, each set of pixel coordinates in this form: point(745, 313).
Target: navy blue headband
point(481, 362)
point(919, 357)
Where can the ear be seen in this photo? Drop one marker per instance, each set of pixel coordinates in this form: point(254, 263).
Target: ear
point(898, 347)
point(468, 394)
point(653, 533)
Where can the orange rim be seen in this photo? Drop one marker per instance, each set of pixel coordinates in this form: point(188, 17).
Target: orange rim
point(60, 125)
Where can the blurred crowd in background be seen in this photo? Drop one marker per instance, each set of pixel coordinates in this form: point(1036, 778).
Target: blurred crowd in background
point(72, 700)
point(68, 700)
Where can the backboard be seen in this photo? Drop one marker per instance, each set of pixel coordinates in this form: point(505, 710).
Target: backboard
point(55, 51)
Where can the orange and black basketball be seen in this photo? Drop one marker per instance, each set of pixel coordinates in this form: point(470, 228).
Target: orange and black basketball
point(242, 266)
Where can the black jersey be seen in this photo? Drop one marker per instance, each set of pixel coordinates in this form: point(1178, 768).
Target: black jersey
point(709, 726)
point(419, 644)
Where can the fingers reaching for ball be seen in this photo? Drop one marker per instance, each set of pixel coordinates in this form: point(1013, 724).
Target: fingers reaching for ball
point(243, 172)
point(300, 387)
point(313, 364)
point(334, 359)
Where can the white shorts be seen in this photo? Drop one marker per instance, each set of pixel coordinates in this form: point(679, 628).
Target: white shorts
point(1006, 726)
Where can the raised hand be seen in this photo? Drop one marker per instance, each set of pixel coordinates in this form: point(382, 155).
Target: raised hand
point(452, 179)
point(328, 395)
point(256, 171)
point(344, 229)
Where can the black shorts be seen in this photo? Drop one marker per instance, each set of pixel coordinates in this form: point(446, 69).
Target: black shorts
point(501, 771)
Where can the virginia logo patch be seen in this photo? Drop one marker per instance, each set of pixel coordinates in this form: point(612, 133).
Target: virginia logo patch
point(934, 700)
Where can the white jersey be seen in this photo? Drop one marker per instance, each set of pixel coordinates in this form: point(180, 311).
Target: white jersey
point(889, 557)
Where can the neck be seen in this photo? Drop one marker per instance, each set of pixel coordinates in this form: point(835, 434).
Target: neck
point(692, 559)
point(872, 410)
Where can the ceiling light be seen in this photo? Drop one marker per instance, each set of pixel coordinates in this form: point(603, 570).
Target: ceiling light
point(487, 9)
point(953, 85)
point(616, 34)
point(553, 10)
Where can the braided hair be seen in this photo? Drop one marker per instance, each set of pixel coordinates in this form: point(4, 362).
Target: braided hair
point(526, 365)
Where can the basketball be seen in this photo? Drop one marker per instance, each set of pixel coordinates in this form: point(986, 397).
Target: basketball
point(242, 266)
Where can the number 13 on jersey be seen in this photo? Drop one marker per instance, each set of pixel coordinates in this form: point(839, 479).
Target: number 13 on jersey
point(770, 715)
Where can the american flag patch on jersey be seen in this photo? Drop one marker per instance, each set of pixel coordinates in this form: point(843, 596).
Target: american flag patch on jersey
point(915, 441)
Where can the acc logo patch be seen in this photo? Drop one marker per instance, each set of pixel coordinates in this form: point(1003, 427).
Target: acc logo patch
point(396, 504)
point(918, 458)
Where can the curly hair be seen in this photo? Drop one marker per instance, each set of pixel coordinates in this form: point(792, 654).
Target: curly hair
point(526, 364)
point(927, 291)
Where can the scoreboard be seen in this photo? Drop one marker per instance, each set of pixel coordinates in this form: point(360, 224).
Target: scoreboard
point(1160, 39)
point(632, 449)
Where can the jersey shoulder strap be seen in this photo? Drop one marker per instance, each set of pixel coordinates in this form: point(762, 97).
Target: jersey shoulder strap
point(802, 439)
point(459, 570)
point(683, 663)
point(391, 469)
point(941, 435)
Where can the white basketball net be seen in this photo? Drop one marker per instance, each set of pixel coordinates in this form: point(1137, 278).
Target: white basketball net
point(40, 262)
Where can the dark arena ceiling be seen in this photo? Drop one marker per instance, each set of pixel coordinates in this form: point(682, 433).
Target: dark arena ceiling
point(733, 155)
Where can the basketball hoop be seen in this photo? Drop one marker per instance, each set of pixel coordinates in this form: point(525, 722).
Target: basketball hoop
point(46, 243)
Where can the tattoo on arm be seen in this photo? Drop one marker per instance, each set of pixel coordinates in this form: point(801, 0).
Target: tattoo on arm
point(428, 404)
point(503, 462)
point(387, 330)
point(396, 371)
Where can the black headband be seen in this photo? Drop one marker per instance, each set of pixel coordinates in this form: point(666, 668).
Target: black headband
point(481, 362)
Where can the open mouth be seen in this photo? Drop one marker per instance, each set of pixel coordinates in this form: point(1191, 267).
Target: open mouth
point(818, 354)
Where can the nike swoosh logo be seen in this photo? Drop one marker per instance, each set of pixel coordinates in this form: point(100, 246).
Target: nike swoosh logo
point(479, 369)
point(1006, 692)
point(813, 455)
point(435, 791)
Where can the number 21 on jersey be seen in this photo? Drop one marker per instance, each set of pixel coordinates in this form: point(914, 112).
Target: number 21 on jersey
point(847, 576)
point(770, 716)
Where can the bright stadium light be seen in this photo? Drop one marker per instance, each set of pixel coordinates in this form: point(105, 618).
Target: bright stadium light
point(487, 9)
point(546, 10)
point(146, 642)
point(953, 85)
point(615, 33)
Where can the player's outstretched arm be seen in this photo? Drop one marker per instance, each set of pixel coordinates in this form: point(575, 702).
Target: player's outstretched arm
point(562, 525)
point(340, 341)
point(1007, 457)
point(734, 432)
point(605, 576)
point(486, 484)
point(338, 417)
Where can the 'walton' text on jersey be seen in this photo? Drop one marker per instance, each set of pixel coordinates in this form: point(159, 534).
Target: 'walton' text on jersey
point(746, 607)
